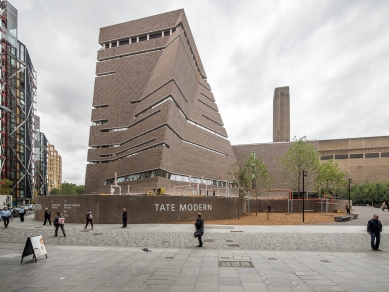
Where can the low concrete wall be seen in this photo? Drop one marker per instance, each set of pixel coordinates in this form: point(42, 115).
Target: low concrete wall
point(296, 206)
point(140, 209)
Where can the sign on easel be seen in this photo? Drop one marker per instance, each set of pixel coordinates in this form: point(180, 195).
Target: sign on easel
point(34, 246)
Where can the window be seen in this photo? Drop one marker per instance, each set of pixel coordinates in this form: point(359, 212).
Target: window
point(101, 106)
point(356, 155)
point(341, 156)
point(385, 154)
point(155, 35)
point(143, 38)
point(107, 45)
point(166, 32)
point(124, 42)
point(101, 122)
point(134, 40)
point(326, 157)
point(372, 155)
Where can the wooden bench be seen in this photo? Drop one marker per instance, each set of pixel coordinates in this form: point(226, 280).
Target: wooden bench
point(342, 218)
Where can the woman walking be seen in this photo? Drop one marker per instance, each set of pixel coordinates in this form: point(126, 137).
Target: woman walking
point(89, 218)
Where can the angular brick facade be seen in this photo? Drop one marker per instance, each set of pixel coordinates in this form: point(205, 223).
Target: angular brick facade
point(156, 123)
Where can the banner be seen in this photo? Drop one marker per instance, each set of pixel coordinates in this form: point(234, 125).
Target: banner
point(34, 246)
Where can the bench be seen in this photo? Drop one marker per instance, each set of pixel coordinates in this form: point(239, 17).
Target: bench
point(342, 218)
point(354, 216)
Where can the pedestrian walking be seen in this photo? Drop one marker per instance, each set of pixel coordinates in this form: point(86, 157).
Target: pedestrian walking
point(59, 221)
point(383, 206)
point(374, 228)
point(89, 218)
point(47, 216)
point(348, 207)
point(5, 215)
point(22, 212)
point(124, 217)
point(199, 224)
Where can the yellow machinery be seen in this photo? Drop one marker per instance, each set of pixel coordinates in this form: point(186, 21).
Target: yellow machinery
point(157, 192)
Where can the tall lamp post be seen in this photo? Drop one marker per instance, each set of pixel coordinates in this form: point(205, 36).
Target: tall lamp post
point(349, 191)
point(304, 175)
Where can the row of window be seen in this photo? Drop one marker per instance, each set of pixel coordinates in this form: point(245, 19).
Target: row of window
point(138, 38)
point(132, 154)
point(167, 175)
point(353, 156)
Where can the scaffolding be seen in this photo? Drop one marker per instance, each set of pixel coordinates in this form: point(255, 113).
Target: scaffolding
point(18, 84)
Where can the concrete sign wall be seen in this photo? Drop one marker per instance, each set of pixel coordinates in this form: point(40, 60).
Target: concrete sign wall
point(140, 209)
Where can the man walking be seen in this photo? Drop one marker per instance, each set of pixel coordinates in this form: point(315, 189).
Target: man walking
point(47, 216)
point(199, 224)
point(5, 215)
point(374, 228)
point(124, 217)
point(89, 218)
point(22, 212)
point(59, 221)
point(348, 207)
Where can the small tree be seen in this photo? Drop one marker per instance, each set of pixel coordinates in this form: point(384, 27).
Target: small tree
point(300, 156)
point(241, 179)
point(6, 186)
point(330, 178)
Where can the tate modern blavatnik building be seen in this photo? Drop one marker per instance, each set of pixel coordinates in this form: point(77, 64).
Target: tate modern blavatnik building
point(155, 121)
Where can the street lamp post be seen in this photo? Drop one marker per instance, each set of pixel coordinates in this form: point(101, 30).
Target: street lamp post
point(349, 191)
point(304, 175)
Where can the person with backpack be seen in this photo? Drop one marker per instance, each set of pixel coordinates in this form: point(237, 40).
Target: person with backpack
point(5, 215)
point(59, 221)
point(47, 216)
point(89, 218)
point(22, 212)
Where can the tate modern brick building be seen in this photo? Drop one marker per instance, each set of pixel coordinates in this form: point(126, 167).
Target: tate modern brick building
point(155, 120)
point(156, 123)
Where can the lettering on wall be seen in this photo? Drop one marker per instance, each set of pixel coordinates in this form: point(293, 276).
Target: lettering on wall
point(55, 206)
point(69, 206)
point(182, 207)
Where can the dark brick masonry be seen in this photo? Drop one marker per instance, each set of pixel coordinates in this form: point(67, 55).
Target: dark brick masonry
point(107, 209)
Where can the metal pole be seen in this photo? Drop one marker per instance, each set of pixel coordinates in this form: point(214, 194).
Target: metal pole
point(238, 202)
point(349, 192)
point(256, 204)
point(304, 175)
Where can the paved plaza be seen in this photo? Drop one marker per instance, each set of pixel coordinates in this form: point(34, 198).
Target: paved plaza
point(333, 257)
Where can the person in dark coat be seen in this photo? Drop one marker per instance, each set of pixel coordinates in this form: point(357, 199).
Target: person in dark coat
point(374, 228)
point(124, 217)
point(88, 217)
point(59, 221)
point(199, 224)
point(47, 216)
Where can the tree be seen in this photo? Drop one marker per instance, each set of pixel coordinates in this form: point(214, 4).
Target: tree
point(300, 156)
point(330, 178)
point(80, 189)
point(55, 191)
point(6, 186)
point(258, 173)
point(241, 179)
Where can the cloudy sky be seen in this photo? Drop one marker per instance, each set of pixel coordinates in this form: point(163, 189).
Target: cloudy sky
point(332, 54)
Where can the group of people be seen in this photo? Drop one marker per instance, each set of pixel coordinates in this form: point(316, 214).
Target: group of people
point(6, 215)
point(374, 226)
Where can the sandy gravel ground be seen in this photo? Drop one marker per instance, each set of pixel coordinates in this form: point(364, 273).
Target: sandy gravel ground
point(277, 219)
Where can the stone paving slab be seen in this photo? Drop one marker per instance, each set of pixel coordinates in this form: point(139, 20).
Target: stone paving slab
point(131, 269)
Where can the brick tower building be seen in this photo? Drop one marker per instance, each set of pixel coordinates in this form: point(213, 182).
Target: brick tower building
point(155, 120)
point(281, 114)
